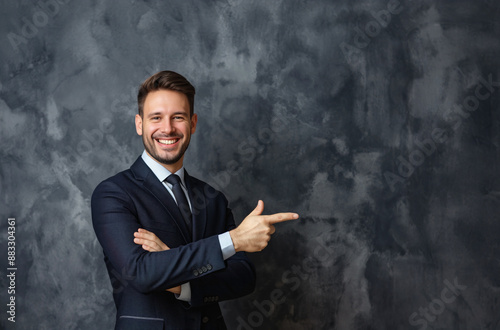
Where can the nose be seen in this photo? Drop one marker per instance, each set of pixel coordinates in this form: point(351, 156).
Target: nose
point(167, 127)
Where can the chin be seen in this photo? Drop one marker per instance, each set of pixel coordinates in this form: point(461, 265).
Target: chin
point(167, 160)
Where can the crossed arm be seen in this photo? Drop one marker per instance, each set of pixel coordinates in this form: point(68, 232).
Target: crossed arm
point(252, 235)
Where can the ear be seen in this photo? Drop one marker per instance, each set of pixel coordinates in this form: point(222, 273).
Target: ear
point(138, 124)
point(194, 121)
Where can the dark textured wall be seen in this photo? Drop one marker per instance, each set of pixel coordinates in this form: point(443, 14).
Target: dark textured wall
point(377, 121)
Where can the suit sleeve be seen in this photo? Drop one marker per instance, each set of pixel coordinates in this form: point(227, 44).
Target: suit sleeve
point(115, 220)
point(235, 280)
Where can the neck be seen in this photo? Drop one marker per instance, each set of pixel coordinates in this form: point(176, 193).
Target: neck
point(172, 168)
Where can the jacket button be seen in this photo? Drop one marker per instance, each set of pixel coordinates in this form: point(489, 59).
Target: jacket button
point(204, 269)
point(195, 272)
point(205, 319)
point(209, 267)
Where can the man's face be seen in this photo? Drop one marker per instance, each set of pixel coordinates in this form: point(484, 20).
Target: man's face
point(166, 127)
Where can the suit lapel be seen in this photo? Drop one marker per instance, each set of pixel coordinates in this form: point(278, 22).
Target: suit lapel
point(198, 206)
point(155, 187)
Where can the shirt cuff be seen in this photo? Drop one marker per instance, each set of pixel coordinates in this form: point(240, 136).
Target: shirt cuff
point(226, 245)
point(185, 292)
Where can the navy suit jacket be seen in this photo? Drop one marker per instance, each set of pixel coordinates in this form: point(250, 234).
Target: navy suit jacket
point(134, 199)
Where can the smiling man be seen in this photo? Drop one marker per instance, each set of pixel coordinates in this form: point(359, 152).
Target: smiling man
point(170, 243)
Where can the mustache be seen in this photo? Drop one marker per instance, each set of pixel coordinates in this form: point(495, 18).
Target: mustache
point(163, 136)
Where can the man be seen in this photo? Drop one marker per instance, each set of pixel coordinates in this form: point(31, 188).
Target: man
point(170, 243)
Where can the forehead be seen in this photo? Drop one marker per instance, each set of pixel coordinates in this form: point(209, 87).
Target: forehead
point(166, 100)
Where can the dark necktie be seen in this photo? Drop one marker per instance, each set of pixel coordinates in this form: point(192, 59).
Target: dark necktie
point(180, 197)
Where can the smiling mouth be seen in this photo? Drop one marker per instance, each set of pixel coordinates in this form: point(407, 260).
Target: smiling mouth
point(167, 142)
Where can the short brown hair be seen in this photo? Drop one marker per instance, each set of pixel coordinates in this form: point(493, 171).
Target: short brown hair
point(166, 80)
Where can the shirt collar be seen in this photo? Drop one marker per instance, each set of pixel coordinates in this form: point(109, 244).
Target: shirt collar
point(159, 171)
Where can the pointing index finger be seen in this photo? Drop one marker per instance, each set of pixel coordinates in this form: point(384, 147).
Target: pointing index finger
point(281, 217)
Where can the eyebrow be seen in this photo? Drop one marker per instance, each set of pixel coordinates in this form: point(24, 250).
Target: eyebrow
point(159, 113)
point(154, 114)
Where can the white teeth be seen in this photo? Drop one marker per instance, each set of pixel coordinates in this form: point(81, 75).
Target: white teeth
point(167, 141)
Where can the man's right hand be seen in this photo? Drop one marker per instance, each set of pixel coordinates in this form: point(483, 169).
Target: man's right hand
point(150, 242)
point(254, 232)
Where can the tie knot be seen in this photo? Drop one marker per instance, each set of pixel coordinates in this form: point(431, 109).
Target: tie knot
point(173, 179)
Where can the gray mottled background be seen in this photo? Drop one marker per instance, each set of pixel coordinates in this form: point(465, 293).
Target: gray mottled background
point(380, 127)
